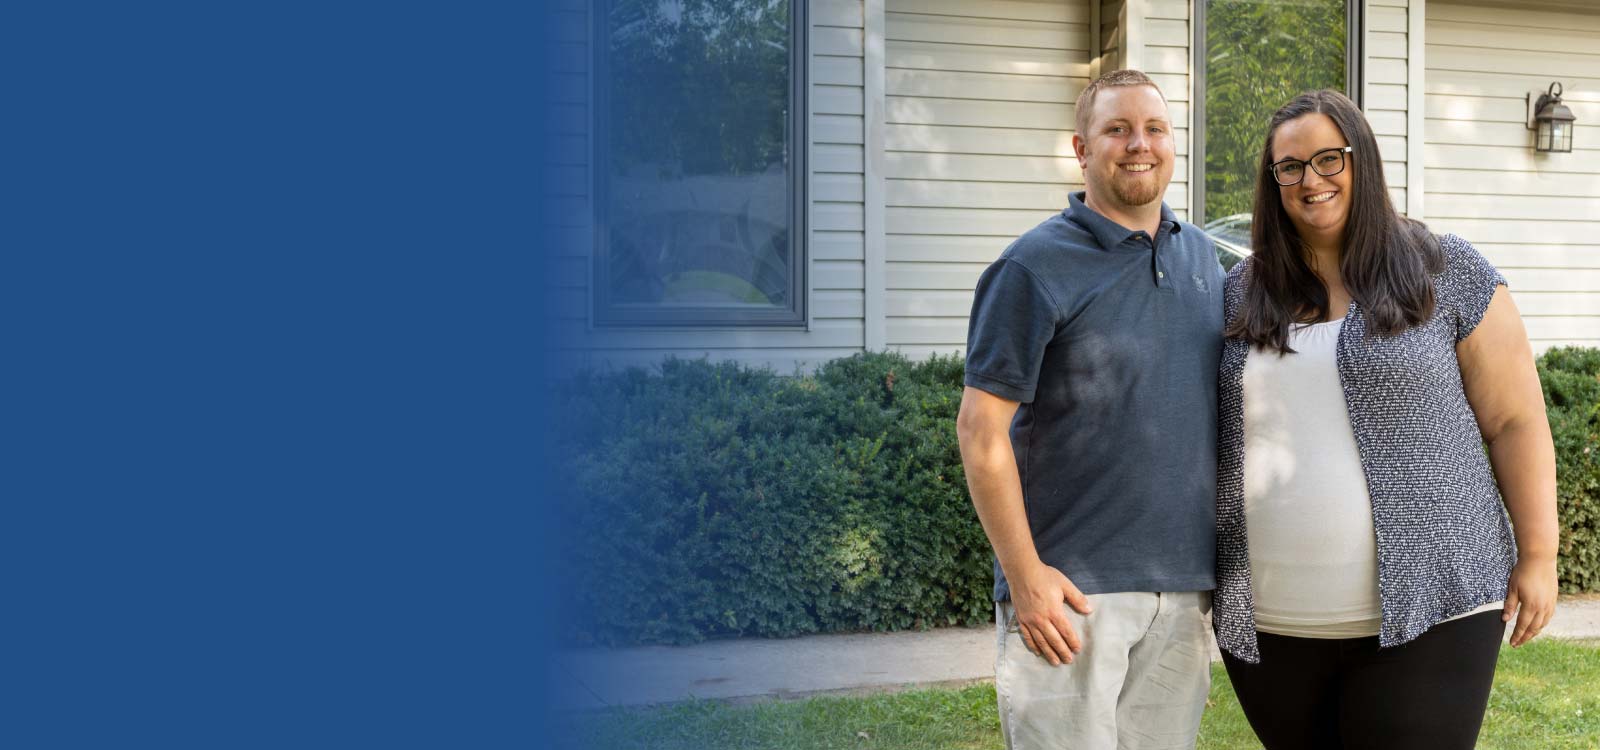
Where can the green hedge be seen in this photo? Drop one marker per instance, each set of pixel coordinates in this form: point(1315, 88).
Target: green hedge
point(1571, 378)
point(707, 500)
point(714, 499)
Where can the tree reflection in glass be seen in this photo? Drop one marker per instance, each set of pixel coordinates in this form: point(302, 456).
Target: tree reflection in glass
point(698, 195)
point(1260, 54)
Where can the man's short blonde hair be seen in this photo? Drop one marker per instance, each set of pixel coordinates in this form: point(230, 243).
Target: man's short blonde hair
point(1124, 77)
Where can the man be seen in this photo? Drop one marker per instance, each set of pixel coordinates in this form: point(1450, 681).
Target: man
point(1088, 429)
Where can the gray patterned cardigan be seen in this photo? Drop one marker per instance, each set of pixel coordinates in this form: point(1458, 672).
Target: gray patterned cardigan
point(1444, 542)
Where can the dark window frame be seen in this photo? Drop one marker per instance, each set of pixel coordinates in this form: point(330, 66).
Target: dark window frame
point(603, 312)
point(1355, 76)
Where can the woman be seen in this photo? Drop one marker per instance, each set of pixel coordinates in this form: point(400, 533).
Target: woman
point(1365, 566)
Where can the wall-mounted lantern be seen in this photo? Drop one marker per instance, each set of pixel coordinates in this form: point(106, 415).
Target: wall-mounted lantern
point(1552, 120)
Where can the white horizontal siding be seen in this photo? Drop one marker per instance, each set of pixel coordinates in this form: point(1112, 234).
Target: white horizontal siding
point(1535, 216)
point(1524, 184)
point(982, 87)
point(910, 26)
point(968, 140)
point(950, 194)
point(1578, 230)
point(977, 147)
point(982, 58)
point(836, 243)
point(1001, 10)
point(914, 248)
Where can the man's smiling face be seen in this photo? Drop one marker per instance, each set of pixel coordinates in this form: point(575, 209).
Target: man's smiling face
point(1127, 151)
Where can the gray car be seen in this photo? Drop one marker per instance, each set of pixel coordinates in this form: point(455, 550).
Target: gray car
point(1232, 235)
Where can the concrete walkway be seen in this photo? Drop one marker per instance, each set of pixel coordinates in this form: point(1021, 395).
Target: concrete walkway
point(758, 668)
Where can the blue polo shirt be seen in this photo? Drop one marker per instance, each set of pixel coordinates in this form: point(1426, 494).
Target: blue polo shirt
point(1110, 339)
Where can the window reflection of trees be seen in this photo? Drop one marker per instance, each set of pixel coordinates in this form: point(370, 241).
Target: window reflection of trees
point(1259, 55)
point(698, 198)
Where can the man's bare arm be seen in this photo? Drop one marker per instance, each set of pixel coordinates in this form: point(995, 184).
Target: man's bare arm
point(1037, 590)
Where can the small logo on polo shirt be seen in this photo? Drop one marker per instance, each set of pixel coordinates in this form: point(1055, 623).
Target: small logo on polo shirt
point(1199, 282)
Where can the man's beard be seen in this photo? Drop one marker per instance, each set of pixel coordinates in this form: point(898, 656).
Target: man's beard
point(1136, 192)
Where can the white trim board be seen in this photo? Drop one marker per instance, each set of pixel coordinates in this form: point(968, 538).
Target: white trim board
point(1416, 107)
point(875, 272)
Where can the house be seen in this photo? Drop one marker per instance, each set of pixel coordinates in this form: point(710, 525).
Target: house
point(848, 167)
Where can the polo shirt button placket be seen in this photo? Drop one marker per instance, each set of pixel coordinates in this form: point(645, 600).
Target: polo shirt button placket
point(1155, 260)
point(1141, 238)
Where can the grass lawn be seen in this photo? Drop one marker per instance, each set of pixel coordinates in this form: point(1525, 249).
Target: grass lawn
point(1546, 695)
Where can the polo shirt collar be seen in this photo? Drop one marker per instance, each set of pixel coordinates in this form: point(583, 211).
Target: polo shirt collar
point(1107, 232)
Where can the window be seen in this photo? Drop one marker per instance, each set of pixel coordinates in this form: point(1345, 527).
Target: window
point(1252, 57)
point(699, 162)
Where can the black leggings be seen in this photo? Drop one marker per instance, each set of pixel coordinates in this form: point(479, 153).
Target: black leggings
point(1431, 692)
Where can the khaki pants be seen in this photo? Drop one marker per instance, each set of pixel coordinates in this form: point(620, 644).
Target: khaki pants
point(1140, 682)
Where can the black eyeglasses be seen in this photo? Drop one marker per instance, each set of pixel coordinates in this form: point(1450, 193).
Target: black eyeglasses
point(1327, 162)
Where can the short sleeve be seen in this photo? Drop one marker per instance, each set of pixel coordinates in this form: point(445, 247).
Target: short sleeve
point(1468, 284)
point(1233, 289)
point(1013, 320)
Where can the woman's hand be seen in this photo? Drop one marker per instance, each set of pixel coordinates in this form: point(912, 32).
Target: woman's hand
point(1532, 590)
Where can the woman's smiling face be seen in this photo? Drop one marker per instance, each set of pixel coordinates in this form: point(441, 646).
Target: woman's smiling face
point(1318, 206)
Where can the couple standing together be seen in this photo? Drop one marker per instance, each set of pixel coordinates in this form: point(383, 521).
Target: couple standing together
point(1313, 448)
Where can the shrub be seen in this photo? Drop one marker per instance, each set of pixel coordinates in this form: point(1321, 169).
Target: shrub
point(715, 499)
point(1571, 380)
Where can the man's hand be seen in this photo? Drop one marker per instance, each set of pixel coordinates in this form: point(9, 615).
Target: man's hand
point(1037, 590)
point(1036, 594)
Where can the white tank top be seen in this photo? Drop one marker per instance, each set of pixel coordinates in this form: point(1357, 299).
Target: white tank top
point(1308, 517)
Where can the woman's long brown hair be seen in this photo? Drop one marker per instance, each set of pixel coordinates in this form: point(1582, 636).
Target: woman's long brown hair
point(1387, 258)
